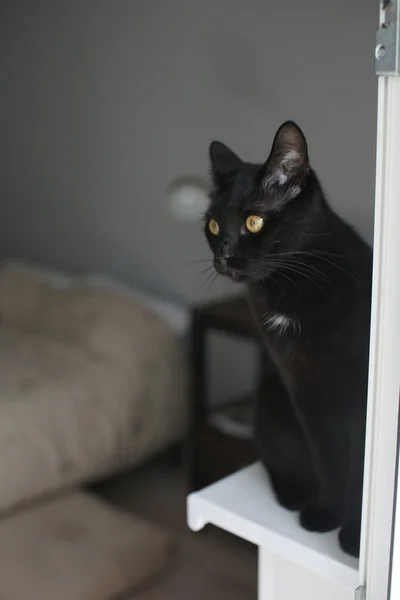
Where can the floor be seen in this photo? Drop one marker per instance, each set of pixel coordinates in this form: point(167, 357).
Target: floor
point(211, 564)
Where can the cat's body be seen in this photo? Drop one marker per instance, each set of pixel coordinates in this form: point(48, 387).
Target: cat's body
point(309, 284)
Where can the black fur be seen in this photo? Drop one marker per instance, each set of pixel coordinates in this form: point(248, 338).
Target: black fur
point(309, 282)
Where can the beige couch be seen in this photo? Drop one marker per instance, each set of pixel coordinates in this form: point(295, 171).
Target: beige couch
point(91, 381)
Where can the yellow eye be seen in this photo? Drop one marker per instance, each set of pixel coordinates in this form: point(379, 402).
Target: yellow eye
point(254, 223)
point(213, 227)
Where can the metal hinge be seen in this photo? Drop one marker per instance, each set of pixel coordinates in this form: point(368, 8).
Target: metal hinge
point(360, 593)
point(387, 49)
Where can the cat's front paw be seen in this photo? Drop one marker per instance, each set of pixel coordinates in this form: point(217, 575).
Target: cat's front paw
point(318, 518)
point(291, 497)
point(349, 540)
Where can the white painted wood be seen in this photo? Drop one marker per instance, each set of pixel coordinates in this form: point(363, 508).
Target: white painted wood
point(266, 575)
point(395, 572)
point(244, 504)
point(295, 583)
point(384, 381)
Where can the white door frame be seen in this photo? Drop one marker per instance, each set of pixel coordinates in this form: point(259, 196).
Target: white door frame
point(394, 575)
point(384, 378)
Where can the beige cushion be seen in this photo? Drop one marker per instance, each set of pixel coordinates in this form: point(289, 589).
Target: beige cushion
point(90, 382)
point(77, 547)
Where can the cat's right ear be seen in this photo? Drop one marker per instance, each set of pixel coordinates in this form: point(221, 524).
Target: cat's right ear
point(224, 162)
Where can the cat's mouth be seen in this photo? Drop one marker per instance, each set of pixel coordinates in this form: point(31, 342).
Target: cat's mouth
point(237, 276)
point(224, 269)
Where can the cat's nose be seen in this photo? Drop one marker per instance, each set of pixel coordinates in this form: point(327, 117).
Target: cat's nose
point(225, 252)
point(225, 257)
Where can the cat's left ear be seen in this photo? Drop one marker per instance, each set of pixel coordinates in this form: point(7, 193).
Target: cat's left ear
point(288, 163)
point(224, 162)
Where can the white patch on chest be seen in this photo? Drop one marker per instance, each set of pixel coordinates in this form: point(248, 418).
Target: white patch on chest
point(277, 322)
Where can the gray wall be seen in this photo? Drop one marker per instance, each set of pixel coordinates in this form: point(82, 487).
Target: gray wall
point(103, 103)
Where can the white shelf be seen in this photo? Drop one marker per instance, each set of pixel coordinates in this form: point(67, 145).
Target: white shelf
point(244, 504)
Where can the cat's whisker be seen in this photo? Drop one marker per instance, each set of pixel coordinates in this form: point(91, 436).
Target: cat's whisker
point(212, 281)
point(279, 267)
point(200, 261)
point(209, 280)
point(293, 282)
point(303, 274)
point(320, 255)
point(267, 273)
point(339, 267)
point(305, 267)
point(204, 272)
point(261, 282)
point(316, 254)
point(301, 265)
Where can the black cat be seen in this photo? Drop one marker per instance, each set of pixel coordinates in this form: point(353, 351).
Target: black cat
point(308, 276)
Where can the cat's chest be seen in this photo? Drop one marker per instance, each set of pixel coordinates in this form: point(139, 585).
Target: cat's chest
point(285, 335)
point(278, 326)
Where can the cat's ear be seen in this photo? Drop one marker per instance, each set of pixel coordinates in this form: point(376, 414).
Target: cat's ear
point(224, 162)
point(288, 163)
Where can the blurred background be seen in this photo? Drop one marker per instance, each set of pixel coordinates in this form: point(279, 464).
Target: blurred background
point(105, 104)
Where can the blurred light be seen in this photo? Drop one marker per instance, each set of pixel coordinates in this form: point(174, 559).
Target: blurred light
point(188, 198)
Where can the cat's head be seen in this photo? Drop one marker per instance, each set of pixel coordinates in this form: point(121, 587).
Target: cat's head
point(258, 212)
